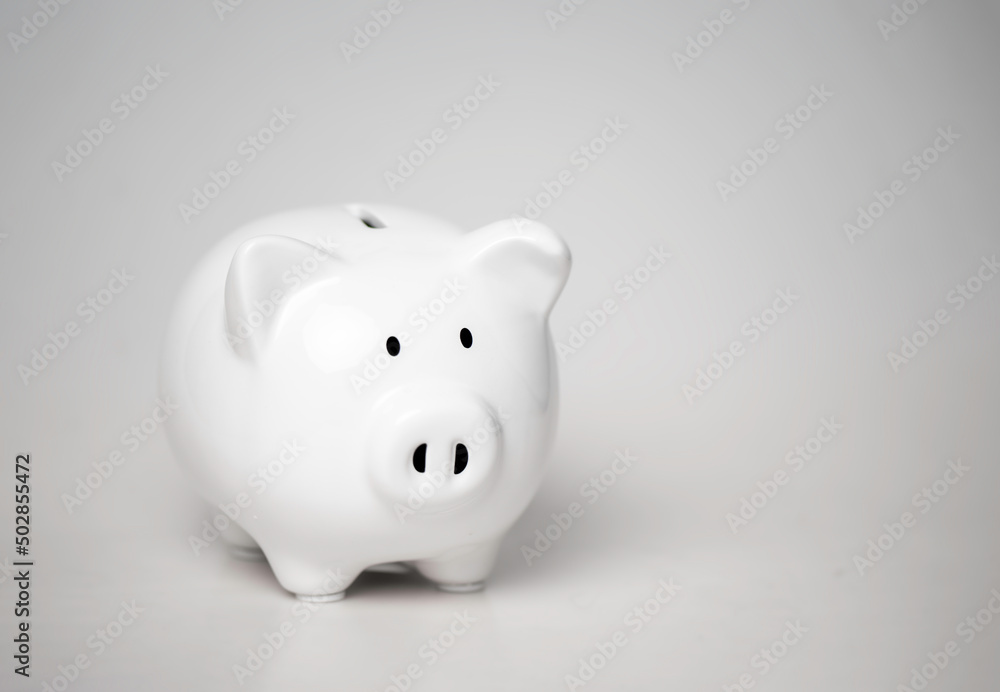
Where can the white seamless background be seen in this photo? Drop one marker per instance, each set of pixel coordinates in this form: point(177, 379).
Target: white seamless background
point(566, 68)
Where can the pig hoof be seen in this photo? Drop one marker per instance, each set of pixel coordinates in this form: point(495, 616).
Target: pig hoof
point(321, 598)
point(468, 587)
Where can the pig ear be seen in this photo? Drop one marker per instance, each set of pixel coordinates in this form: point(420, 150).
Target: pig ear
point(525, 257)
point(253, 284)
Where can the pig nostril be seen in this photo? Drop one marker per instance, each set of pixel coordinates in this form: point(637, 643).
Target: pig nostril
point(461, 458)
point(420, 458)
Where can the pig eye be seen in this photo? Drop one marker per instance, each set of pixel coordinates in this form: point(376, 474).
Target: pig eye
point(392, 345)
point(466, 336)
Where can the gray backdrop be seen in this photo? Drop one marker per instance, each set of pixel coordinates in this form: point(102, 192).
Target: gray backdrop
point(826, 169)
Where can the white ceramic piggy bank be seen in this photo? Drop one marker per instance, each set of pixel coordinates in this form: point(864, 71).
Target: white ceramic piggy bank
point(368, 385)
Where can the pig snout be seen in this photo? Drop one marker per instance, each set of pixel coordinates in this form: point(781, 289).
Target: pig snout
point(434, 447)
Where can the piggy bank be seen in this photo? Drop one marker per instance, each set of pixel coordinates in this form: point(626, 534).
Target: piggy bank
point(367, 386)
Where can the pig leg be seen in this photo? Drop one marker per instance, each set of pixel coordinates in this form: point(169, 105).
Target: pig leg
point(462, 569)
point(310, 581)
